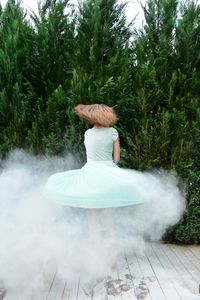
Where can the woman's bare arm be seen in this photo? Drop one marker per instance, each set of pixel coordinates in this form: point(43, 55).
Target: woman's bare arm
point(116, 151)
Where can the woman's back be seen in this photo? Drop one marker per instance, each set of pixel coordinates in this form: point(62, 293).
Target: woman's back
point(99, 143)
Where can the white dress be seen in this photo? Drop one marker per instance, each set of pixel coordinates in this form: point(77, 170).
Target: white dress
point(100, 183)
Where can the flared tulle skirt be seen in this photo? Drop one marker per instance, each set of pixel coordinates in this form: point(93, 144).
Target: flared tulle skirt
point(102, 184)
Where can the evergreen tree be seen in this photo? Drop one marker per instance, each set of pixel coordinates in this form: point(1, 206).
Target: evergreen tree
point(15, 109)
point(187, 94)
point(102, 55)
point(53, 45)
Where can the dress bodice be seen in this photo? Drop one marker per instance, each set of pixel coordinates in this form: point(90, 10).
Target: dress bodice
point(99, 143)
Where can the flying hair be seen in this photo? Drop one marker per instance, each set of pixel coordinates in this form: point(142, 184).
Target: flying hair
point(100, 114)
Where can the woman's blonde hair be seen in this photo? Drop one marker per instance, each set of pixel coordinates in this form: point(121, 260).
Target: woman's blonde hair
point(100, 114)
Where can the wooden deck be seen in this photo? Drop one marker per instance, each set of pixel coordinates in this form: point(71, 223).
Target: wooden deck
point(163, 272)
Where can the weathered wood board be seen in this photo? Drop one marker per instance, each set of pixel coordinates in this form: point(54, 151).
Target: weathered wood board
point(161, 272)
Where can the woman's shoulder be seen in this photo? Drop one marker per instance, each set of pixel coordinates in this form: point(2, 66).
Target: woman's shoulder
point(113, 129)
point(87, 131)
point(114, 133)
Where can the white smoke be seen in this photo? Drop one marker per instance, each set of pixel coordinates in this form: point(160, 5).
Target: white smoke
point(38, 236)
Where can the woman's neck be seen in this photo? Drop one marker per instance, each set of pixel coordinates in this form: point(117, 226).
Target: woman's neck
point(99, 126)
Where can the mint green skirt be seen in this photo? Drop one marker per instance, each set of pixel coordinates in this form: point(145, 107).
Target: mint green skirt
point(102, 184)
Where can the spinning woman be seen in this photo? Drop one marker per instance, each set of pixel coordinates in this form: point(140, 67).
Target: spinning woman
point(100, 183)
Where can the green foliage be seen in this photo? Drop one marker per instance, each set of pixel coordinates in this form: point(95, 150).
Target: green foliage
point(151, 76)
point(187, 231)
point(101, 63)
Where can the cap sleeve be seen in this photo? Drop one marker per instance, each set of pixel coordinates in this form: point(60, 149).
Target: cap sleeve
point(86, 133)
point(115, 134)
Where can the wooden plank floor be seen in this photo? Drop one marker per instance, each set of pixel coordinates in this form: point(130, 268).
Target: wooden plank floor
point(162, 272)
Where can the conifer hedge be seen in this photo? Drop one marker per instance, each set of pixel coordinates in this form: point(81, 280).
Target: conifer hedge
point(64, 56)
